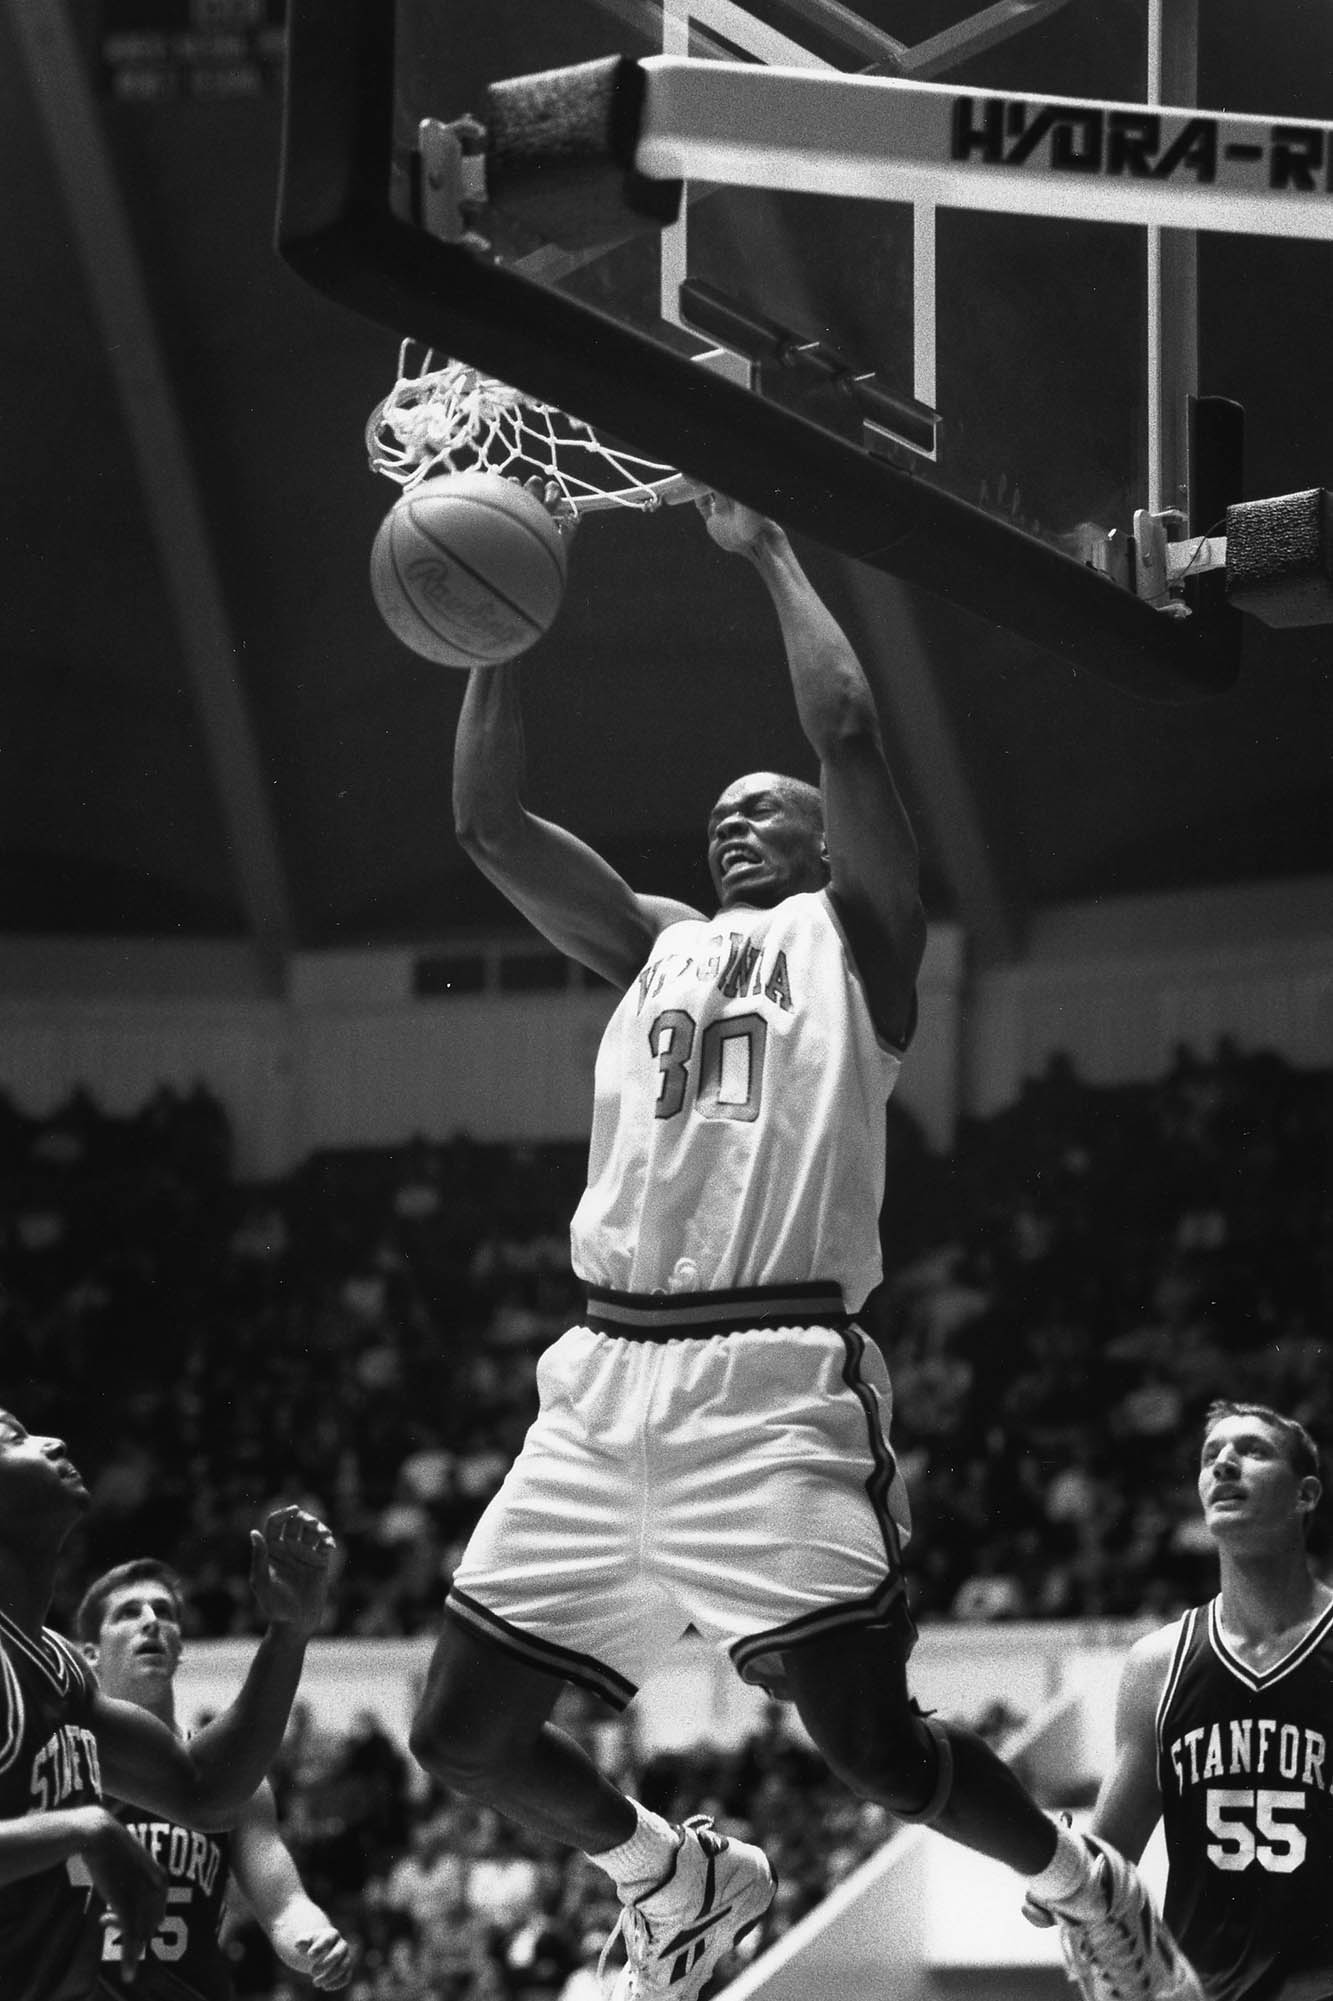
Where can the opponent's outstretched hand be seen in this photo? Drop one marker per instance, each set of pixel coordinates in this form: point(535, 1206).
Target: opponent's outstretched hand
point(733, 527)
point(291, 1561)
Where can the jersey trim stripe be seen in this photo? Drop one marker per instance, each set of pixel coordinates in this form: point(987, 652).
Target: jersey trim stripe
point(52, 1655)
point(1252, 1677)
point(12, 1714)
point(565, 1662)
point(888, 1043)
point(651, 1316)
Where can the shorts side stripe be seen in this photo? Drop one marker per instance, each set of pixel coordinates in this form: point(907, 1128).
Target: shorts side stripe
point(879, 1484)
point(564, 1662)
point(873, 1608)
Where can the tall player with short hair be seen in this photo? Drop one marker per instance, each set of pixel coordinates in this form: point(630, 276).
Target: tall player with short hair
point(128, 1626)
point(62, 1739)
point(712, 1443)
point(1224, 1728)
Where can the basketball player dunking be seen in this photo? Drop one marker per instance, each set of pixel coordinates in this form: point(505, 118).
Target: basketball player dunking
point(712, 1442)
point(1224, 1728)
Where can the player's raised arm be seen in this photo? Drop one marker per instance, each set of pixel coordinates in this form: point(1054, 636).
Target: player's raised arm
point(203, 1781)
point(562, 886)
point(872, 852)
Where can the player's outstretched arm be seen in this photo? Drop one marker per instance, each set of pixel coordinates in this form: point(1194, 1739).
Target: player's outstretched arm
point(205, 1780)
point(562, 886)
point(874, 868)
point(302, 1935)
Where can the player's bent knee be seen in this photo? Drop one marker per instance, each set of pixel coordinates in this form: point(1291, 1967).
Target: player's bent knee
point(904, 1764)
point(453, 1736)
point(444, 1744)
point(478, 1711)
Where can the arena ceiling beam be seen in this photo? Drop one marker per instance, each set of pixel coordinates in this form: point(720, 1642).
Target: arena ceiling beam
point(79, 155)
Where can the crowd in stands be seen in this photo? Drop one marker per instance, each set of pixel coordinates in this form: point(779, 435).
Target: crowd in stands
point(1065, 1292)
point(1112, 1260)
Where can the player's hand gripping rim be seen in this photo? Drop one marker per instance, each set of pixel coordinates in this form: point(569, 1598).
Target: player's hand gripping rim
point(735, 528)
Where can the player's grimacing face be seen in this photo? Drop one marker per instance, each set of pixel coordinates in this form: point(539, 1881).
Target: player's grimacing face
point(36, 1471)
point(763, 843)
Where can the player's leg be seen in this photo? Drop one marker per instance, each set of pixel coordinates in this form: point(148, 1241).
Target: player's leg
point(483, 1728)
point(547, 1592)
point(798, 1566)
point(550, 1590)
point(850, 1690)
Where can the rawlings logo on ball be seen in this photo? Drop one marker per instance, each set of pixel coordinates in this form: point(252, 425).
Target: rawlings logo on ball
point(468, 569)
point(449, 590)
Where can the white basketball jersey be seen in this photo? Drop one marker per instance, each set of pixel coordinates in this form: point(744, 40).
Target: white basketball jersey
point(738, 1120)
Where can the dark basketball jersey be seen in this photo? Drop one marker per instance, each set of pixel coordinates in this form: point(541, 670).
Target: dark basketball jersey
point(49, 1939)
point(184, 1961)
point(1245, 1765)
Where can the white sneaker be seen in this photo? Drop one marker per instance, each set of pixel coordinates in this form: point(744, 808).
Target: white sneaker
point(1126, 1953)
point(676, 1935)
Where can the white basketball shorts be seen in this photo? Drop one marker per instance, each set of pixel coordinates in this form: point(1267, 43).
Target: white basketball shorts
point(676, 1475)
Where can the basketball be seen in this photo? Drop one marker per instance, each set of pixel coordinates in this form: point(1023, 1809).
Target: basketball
point(468, 569)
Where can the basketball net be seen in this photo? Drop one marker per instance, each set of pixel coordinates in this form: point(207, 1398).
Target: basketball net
point(444, 417)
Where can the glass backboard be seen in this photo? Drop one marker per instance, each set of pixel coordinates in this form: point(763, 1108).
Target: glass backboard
point(1028, 335)
point(977, 401)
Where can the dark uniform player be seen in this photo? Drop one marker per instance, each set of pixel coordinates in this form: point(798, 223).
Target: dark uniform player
point(1224, 1728)
point(49, 1944)
point(62, 1739)
point(184, 1957)
point(1244, 1768)
point(129, 1625)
